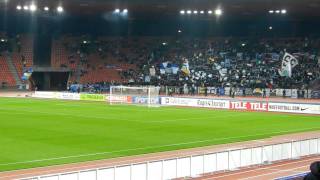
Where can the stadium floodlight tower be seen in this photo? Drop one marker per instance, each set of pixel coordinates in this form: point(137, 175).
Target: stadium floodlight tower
point(144, 95)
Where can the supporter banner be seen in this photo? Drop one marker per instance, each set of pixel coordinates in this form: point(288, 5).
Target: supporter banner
point(294, 93)
point(144, 100)
point(294, 108)
point(191, 102)
point(212, 90)
point(279, 92)
point(315, 94)
point(92, 97)
point(250, 106)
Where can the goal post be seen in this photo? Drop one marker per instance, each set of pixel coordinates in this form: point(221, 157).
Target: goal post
point(144, 95)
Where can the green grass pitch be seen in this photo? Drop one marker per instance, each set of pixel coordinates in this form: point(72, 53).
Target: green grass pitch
point(36, 133)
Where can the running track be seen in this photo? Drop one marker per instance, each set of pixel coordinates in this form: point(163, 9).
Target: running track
point(281, 169)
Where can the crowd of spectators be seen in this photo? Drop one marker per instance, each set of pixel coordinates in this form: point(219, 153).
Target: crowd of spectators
point(219, 62)
point(211, 62)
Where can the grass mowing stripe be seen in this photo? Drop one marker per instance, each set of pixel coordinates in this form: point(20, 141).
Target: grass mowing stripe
point(155, 147)
point(42, 129)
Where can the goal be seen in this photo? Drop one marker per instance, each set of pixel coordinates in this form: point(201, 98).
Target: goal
point(148, 95)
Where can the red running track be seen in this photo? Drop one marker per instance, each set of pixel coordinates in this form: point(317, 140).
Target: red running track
point(266, 172)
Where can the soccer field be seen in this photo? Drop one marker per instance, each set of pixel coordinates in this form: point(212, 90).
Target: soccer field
point(37, 133)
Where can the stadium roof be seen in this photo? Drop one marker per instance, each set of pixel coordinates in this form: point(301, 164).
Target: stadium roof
point(158, 8)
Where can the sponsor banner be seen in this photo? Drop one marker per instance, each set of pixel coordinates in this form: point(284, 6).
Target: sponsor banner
point(120, 99)
point(144, 100)
point(295, 108)
point(70, 96)
point(250, 106)
point(46, 94)
point(92, 97)
point(191, 102)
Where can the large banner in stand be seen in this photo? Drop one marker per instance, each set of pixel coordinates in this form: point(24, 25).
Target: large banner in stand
point(194, 102)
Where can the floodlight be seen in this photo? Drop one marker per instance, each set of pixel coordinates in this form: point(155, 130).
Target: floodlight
point(195, 12)
point(46, 8)
point(189, 12)
point(125, 11)
point(19, 7)
point(60, 9)
point(182, 12)
point(218, 12)
point(26, 8)
point(283, 11)
point(209, 12)
point(117, 10)
point(33, 7)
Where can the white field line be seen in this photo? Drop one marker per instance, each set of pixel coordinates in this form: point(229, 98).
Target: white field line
point(262, 168)
point(148, 147)
point(107, 117)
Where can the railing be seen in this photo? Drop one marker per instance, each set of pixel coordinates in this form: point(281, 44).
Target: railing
point(192, 166)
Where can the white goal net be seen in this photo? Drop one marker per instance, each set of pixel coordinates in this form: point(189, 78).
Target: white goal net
point(148, 96)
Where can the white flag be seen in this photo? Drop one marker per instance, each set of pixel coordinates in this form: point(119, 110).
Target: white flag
point(288, 63)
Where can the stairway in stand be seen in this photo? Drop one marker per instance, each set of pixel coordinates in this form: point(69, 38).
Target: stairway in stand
point(13, 69)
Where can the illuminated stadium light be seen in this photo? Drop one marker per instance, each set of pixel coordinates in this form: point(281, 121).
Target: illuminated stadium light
point(218, 12)
point(209, 12)
point(46, 8)
point(277, 11)
point(243, 44)
point(182, 12)
point(164, 43)
point(189, 12)
point(195, 12)
point(2, 40)
point(26, 8)
point(125, 11)
point(179, 31)
point(19, 7)
point(60, 9)
point(201, 12)
point(283, 11)
point(271, 11)
point(270, 27)
point(33, 7)
point(117, 10)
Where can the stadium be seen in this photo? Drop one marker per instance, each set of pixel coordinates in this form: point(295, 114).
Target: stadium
point(159, 89)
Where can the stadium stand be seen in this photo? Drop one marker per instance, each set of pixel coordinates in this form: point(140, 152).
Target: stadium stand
point(22, 54)
point(213, 62)
point(220, 62)
point(7, 79)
